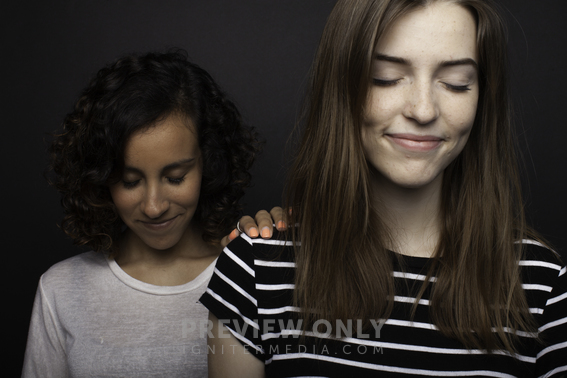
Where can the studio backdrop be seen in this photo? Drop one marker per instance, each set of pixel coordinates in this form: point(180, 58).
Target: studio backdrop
point(260, 52)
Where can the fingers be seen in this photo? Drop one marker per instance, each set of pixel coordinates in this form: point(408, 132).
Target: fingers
point(265, 224)
point(278, 216)
point(262, 225)
point(249, 226)
point(224, 241)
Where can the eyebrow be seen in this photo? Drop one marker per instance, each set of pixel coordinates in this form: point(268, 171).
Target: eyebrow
point(168, 167)
point(445, 63)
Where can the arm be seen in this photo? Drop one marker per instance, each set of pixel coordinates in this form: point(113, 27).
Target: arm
point(45, 354)
point(228, 357)
point(552, 359)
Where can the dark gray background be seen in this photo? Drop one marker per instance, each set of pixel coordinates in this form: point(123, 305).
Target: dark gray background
point(259, 51)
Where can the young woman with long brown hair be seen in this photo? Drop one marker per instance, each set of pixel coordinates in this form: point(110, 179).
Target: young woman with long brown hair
point(411, 254)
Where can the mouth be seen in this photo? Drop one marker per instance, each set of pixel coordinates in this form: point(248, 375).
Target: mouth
point(159, 225)
point(416, 143)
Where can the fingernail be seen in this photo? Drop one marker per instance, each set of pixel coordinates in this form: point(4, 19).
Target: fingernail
point(281, 225)
point(253, 232)
point(265, 232)
point(233, 235)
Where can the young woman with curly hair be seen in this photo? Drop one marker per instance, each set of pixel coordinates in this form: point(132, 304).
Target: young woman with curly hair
point(411, 255)
point(151, 164)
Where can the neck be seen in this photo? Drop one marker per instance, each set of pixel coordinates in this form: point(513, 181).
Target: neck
point(190, 245)
point(414, 215)
point(168, 267)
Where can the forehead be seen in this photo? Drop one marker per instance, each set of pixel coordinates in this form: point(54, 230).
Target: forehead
point(442, 30)
point(172, 138)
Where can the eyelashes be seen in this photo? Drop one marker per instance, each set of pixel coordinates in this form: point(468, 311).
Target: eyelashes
point(130, 184)
point(385, 83)
point(171, 180)
point(176, 181)
point(451, 87)
point(457, 88)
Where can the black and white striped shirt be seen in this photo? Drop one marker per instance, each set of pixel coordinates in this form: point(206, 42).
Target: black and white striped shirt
point(251, 292)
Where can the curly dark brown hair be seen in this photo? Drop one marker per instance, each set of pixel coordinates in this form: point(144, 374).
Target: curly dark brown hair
point(133, 93)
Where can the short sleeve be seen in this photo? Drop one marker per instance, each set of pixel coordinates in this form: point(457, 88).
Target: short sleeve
point(552, 358)
point(231, 295)
point(45, 353)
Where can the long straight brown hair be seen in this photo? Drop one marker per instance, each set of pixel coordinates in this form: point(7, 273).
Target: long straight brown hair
point(344, 270)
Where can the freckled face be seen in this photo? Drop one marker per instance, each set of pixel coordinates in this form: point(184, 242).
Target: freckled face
point(159, 191)
point(423, 96)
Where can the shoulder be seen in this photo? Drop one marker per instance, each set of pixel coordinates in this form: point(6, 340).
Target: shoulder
point(74, 270)
point(540, 258)
point(245, 262)
point(543, 276)
point(256, 251)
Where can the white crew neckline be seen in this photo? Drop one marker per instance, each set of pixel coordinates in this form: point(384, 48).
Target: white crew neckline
point(145, 287)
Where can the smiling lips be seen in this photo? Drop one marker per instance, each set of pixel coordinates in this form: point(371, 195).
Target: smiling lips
point(155, 226)
point(416, 143)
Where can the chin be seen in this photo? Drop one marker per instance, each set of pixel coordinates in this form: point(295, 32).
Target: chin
point(413, 182)
point(405, 176)
point(161, 245)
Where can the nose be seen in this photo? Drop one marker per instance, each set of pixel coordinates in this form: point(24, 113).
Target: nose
point(421, 104)
point(155, 203)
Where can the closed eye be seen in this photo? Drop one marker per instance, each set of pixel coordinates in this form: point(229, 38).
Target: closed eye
point(457, 88)
point(176, 181)
point(385, 83)
point(130, 184)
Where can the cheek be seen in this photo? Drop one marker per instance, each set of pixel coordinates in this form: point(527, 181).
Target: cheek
point(461, 117)
point(377, 107)
point(124, 200)
point(188, 194)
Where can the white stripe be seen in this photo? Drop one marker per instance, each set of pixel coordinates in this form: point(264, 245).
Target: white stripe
point(556, 299)
point(413, 276)
point(275, 264)
point(269, 241)
point(245, 340)
point(406, 323)
point(543, 264)
point(432, 327)
point(427, 349)
point(552, 348)
point(556, 370)
point(531, 335)
point(536, 310)
point(284, 332)
point(364, 365)
point(403, 323)
point(275, 287)
point(537, 287)
point(428, 326)
point(236, 287)
point(519, 357)
point(562, 271)
point(279, 310)
point(399, 298)
point(552, 324)
point(233, 308)
point(405, 347)
point(533, 242)
point(237, 260)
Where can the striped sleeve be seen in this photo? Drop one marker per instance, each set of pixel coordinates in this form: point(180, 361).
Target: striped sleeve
point(552, 358)
point(231, 295)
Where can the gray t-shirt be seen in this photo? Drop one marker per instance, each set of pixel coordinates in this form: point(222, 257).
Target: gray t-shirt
point(91, 319)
